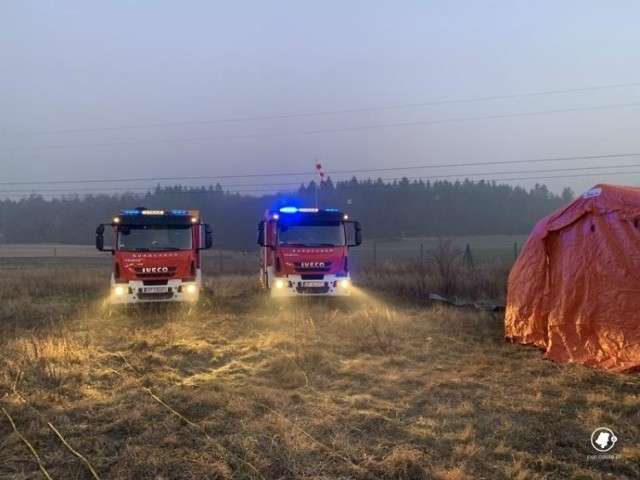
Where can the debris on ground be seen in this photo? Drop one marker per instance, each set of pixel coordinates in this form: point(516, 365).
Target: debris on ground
point(488, 305)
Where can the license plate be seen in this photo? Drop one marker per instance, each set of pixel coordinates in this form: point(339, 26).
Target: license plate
point(155, 289)
point(313, 284)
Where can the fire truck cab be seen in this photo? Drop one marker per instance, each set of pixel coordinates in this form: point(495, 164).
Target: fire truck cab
point(156, 256)
point(305, 251)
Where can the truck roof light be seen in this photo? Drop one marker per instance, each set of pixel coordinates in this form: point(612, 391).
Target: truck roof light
point(346, 217)
point(276, 216)
point(138, 211)
point(331, 210)
point(289, 210)
point(308, 210)
point(116, 220)
point(130, 212)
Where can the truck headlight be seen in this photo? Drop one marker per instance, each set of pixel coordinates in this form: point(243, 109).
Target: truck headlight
point(279, 283)
point(343, 283)
point(191, 288)
point(117, 291)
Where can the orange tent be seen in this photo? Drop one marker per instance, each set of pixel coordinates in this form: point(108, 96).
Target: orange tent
point(575, 287)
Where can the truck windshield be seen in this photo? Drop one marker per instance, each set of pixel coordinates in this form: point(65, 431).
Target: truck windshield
point(156, 238)
point(326, 235)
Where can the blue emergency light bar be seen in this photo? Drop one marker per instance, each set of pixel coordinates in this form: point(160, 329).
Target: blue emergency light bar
point(306, 210)
point(318, 214)
point(289, 210)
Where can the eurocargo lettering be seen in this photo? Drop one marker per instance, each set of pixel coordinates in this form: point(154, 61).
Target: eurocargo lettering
point(156, 256)
point(305, 252)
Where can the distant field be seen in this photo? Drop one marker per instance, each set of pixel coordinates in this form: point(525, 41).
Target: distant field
point(482, 247)
point(49, 250)
point(22, 256)
point(371, 253)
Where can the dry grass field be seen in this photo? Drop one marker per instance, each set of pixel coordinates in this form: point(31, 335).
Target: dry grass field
point(378, 387)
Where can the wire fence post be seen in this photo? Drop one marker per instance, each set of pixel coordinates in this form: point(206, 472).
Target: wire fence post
point(422, 271)
point(468, 257)
point(375, 256)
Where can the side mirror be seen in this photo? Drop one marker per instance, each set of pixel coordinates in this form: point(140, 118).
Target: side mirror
point(100, 240)
point(261, 228)
point(208, 238)
point(100, 237)
point(358, 234)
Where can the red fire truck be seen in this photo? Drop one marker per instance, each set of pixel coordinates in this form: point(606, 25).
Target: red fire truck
point(305, 251)
point(156, 256)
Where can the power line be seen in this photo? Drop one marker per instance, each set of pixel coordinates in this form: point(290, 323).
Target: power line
point(233, 187)
point(349, 187)
point(564, 176)
point(320, 131)
point(282, 184)
point(327, 112)
point(497, 162)
point(331, 172)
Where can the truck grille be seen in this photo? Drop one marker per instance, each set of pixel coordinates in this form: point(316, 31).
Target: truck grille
point(155, 296)
point(142, 272)
point(308, 267)
point(312, 276)
point(312, 290)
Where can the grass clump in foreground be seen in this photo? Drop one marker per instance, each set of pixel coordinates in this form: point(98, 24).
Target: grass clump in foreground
point(246, 388)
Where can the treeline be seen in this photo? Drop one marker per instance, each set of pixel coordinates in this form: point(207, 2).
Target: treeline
point(385, 210)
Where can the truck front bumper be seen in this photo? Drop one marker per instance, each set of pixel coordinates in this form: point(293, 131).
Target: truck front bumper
point(137, 292)
point(295, 286)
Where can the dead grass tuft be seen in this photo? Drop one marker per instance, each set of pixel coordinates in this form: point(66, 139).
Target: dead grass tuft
point(403, 463)
point(453, 473)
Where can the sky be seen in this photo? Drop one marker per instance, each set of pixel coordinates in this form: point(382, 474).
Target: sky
point(103, 97)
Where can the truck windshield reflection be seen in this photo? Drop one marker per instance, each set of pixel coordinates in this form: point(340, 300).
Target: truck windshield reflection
point(160, 238)
point(326, 235)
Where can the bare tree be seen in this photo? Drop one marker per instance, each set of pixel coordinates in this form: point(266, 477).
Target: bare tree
point(448, 260)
